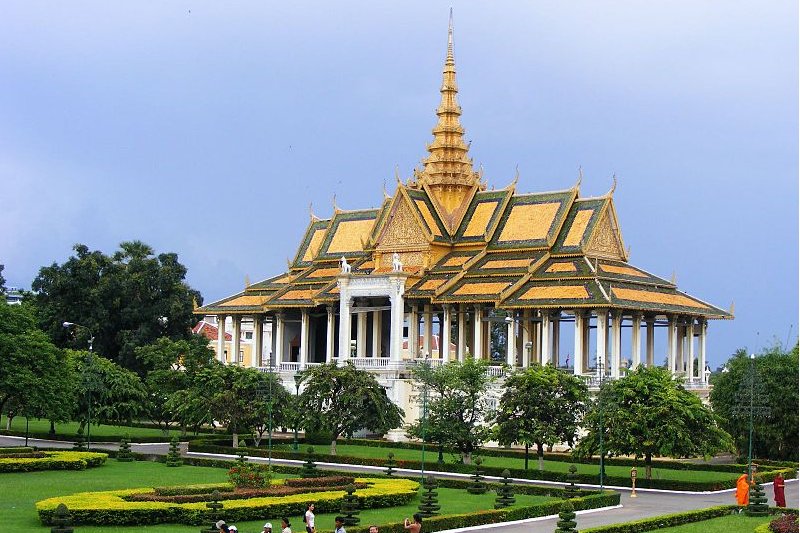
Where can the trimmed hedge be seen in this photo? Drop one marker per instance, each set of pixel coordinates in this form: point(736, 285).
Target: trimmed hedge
point(545, 475)
point(110, 507)
point(676, 519)
point(53, 461)
point(13, 450)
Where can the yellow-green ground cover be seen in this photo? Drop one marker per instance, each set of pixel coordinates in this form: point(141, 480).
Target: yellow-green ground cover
point(66, 460)
point(739, 523)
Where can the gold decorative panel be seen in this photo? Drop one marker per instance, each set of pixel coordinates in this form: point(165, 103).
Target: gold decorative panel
point(555, 293)
point(313, 246)
point(561, 267)
point(605, 242)
point(431, 284)
point(457, 260)
point(625, 270)
point(402, 230)
point(578, 228)
point(506, 263)
point(529, 222)
point(481, 288)
point(428, 217)
point(349, 235)
point(636, 295)
point(325, 272)
point(479, 221)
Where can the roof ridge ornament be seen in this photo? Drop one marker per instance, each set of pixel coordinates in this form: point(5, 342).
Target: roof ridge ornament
point(610, 193)
point(580, 178)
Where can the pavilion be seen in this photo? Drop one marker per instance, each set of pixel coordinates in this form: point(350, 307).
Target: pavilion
point(444, 254)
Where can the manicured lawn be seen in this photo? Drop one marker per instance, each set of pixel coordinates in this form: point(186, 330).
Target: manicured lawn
point(19, 513)
point(511, 462)
point(69, 429)
point(724, 524)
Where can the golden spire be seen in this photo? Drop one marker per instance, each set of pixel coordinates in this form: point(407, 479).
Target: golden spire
point(447, 163)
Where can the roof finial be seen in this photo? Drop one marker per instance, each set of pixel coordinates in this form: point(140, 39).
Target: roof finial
point(450, 55)
point(246, 281)
point(613, 185)
point(311, 214)
point(732, 307)
point(386, 194)
point(580, 177)
point(335, 208)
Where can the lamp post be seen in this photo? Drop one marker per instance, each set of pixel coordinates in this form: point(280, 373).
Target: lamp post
point(298, 379)
point(601, 376)
point(87, 363)
point(634, 472)
point(427, 364)
point(750, 443)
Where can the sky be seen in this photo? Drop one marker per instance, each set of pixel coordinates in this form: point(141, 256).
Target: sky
point(207, 128)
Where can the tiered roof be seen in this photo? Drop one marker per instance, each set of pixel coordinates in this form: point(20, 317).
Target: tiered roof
point(462, 244)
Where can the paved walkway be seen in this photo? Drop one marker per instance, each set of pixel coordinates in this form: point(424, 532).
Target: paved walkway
point(648, 503)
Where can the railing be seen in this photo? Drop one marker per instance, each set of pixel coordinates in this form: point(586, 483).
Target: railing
point(496, 371)
point(370, 362)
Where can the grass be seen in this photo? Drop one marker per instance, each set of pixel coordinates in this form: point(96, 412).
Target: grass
point(19, 513)
point(355, 450)
point(98, 432)
point(724, 524)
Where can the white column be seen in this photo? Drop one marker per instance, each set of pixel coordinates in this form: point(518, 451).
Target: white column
point(616, 343)
point(680, 344)
point(511, 345)
point(376, 333)
point(702, 364)
point(361, 334)
point(257, 353)
point(555, 356)
point(330, 336)
point(477, 343)
point(650, 342)
point(636, 341)
point(672, 342)
point(462, 331)
point(690, 353)
point(396, 329)
point(237, 339)
point(279, 339)
point(444, 334)
point(221, 338)
point(427, 344)
point(413, 332)
point(345, 328)
point(273, 347)
point(578, 348)
point(536, 337)
point(526, 338)
point(304, 337)
point(602, 340)
point(587, 320)
point(545, 338)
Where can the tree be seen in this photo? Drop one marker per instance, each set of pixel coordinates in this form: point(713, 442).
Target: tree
point(173, 365)
point(102, 388)
point(541, 406)
point(649, 413)
point(343, 399)
point(2, 280)
point(127, 300)
point(458, 408)
point(774, 436)
point(34, 380)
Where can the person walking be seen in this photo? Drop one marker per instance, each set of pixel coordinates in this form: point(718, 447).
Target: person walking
point(778, 485)
point(285, 526)
point(308, 518)
point(742, 490)
point(416, 525)
point(339, 525)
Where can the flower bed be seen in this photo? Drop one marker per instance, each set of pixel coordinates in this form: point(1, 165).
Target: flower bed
point(112, 507)
point(52, 461)
point(230, 493)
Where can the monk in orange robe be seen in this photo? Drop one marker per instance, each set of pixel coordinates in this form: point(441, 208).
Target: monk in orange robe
point(742, 490)
point(778, 485)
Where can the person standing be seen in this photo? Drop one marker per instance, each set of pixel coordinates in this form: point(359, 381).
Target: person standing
point(373, 529)
point(285, 526)
point(742, 490)
point(267, 528)
point(308, 518)
point(339, 525)
point(778, 485)
point(416, 525)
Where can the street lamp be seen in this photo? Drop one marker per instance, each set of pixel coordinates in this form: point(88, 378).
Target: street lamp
point(601, 377)
point(752, 394)
point(87, 363)
point(427, 364)
point(298, 379)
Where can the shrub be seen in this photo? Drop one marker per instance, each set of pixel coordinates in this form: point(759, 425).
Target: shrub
point(784, 524)
point(505, 493)
point(325, 481)
point(53, 461)
point(429, 503)
point(249, 475)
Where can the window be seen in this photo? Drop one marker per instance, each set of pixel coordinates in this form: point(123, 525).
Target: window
point(248, 335)
point(241, 355)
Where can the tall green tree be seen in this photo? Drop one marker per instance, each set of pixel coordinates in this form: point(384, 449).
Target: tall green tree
point(775, 435)
point(341, 400)
point(2, 280)
point(128, 299)
point(112, 394)
point(541, 406)
point(458, 408)
point(648, 413)
point(173, 365)
point(34, 380)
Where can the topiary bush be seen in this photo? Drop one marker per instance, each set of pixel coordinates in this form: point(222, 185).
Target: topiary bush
point(62, 520)
point(390, 464)
point(566, 519)
point(309, 468)
point(757, 502)
point(571, 490)
point(429, 503)
point(80, 441)
point(174, 455)
point(478, 485)
point(350, 507)
point(124, 454)
point(505, 492)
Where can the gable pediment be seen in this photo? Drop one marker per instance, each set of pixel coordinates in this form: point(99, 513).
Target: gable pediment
point(402, 230)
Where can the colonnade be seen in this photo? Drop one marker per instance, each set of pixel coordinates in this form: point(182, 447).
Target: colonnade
point(463, 330)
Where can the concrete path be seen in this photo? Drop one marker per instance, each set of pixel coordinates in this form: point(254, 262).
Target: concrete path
point(648, 503)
